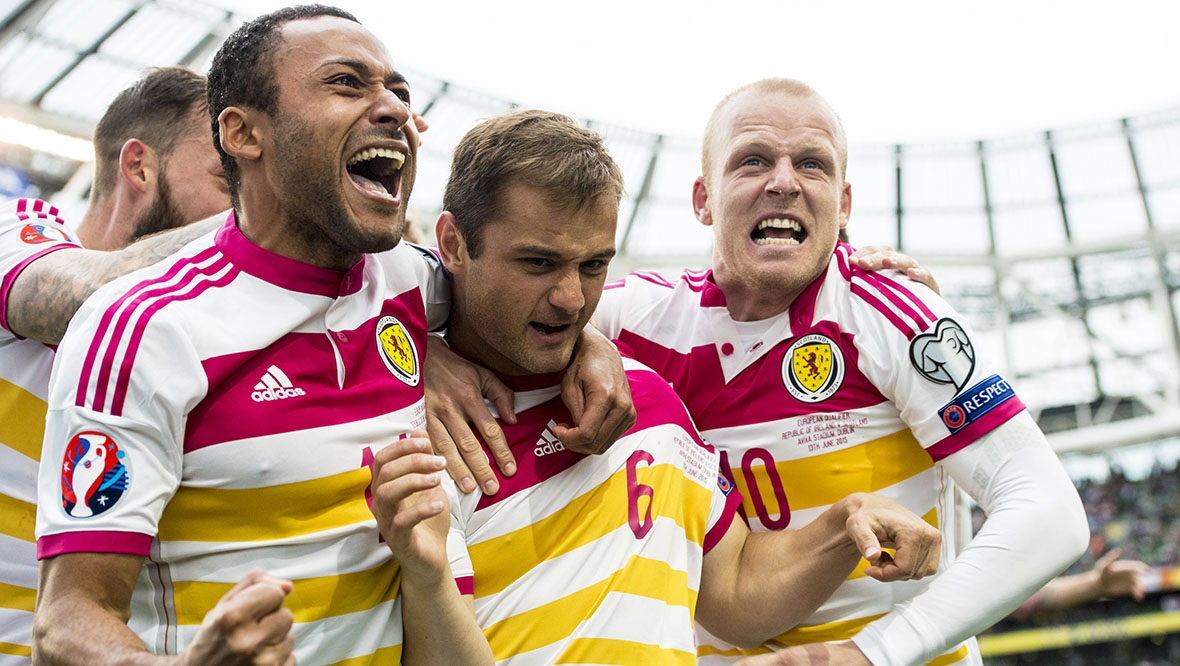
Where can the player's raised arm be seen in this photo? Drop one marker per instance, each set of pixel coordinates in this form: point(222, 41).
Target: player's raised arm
point(411, 508)
point(757, 586)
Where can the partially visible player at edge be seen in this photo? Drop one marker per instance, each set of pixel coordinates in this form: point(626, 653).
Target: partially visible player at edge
point(220, 411)
point(818, 379)
point(155, 169)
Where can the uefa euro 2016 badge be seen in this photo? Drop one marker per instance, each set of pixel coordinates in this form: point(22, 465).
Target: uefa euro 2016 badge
point(813, 368)
point(944, 356)
point(397, 349)
point(93, 475)
point(35, 234)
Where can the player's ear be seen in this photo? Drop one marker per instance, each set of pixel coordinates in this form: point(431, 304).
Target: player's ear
point(239, 131)
point(138, 166)
point(451, 245)
point(700, 202)
point(845, 205)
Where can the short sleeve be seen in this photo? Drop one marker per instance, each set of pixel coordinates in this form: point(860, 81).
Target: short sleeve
point(29, 230)
point(925, 358)
point(461, 567)
point(112, 454)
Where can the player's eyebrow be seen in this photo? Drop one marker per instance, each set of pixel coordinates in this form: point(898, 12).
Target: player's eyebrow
point(392, 78)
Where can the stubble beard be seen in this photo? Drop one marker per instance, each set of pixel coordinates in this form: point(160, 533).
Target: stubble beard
point(314, 200)
point(163, 214)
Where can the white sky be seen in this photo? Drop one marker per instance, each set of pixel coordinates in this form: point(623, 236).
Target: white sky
point(896, 71)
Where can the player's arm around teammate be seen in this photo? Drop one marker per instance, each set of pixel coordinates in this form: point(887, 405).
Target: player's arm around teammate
point(755, 586)
point(86, 597)
point(412, 513)
point(594, 389)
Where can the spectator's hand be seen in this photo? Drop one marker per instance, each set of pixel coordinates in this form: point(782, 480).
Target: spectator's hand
point(1121, 578)
point(411, 506)
point(875, 522)
point(812, 654)
point(880, 257)
point(596, 392)
point(455, 391)
point(249, 625)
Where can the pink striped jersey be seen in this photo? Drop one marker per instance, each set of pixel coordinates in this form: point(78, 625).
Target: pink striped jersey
point(29, 229)
point(863, 384)
point(594, 559)
point(218, 412)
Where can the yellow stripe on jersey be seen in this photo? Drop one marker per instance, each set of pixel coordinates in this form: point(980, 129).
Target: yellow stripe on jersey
point(931, 519)
point(275, 512)
point(558, 619)
point(14, 649)
point(824, 479)
point(311, 598)
point(385, 655)
point(623, 653)
point(22, 420)
point(17, 518)
point(17, 598)
point(591, 516)
point(823, 633)
point(948, 659)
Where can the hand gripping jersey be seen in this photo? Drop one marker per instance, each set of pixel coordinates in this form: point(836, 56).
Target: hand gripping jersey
point(594, 559)
point(29, 229)
point(218, 412)
point(862, 385)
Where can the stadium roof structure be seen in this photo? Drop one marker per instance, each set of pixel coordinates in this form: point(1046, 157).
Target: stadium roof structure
point(1061, 246)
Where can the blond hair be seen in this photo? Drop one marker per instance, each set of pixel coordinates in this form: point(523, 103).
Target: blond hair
point(782, 86)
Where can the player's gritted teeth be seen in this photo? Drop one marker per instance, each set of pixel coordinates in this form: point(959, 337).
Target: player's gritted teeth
point(377, 171)
point(778, 231)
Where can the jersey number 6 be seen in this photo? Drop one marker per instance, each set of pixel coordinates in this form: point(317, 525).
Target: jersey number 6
point(636, 490)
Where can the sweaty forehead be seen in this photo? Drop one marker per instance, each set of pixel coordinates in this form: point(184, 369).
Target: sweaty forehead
point(308, 43)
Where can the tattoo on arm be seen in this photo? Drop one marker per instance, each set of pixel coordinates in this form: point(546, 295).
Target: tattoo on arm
point(50, 290)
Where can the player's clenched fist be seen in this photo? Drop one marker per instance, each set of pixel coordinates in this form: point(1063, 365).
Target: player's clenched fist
point(876, 522)
point(249, 625)
point(410, 504)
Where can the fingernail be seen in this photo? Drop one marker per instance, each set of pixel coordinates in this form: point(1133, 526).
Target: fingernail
point(871, 553)
point(510, 469)
point(436, 506)
point(467, 484)
point(440, 462)
point(491, 487)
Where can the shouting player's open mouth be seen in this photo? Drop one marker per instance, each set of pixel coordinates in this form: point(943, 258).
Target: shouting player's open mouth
point(778, 231)
point(376, 172)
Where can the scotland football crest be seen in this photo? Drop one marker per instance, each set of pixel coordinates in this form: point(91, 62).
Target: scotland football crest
point(813, 368)
point(397, 349)
point(93, 475)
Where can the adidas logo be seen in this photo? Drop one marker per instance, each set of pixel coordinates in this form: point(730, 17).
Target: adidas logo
point(274, 386)
point(549, 443)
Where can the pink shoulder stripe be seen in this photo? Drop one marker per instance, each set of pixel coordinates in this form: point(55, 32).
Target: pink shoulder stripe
point(871, 298)
point(879, 282)
point(614, 284)
point(141, 324)
point(127, 543)
point(654, 279)
point(909, 295)
point(101, 332)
